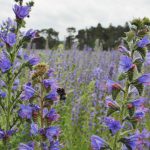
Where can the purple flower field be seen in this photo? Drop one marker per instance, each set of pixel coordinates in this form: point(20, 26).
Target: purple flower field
point(72, 99)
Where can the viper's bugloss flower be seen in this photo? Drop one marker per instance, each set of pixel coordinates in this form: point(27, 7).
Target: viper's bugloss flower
point(54, 145)
point(25, 112)
point(130, 142)
point(143, 139)
point(35, 107)
point(147, 60)
point(97, 143)
point(15, 85)
point(29, 34)
point(137, 103)
point(144, 79)
point(112, 104)
point(52, 132)
point(111, 85)
point(1, 44)
point(143, 42)
point(28, 92)
point(5, 63)
point(123, 49)
point(125, 64)
point(34, 129)
point(10, 39)
point(4, 135)
point(139, 115)
point(52, 115)
point(21, 11)
point(2, 83)
point(2, 94)
point(113, 125)
point(33, 60)
point(28, 146)
point(50, 83)
point(9, 25)
point(50, 72)
point(53, 96)
point(44, 146)
point(20, 53)
point(97, 71)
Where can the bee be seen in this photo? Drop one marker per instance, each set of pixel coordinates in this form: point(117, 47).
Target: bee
point(61, 92)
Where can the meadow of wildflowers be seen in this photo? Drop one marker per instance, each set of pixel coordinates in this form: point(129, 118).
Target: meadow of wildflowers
point(73, 100)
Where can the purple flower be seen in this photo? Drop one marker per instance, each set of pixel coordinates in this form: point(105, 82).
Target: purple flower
point(143, 42)
point(139, 115)
point(34, 129)
point(144, 79)
point(111, 104)
point(2, 83)
point(97, 143)
point(52, 132)
point(125, 64)
point(124, 50)
point(136, 103)
point(147, 60)
point(111, 85)
point(2, 94)
point(44, 146)
point(54, 145)
point(25, 112)
point(4, 135)
point(35, 107)
point(143, 139)
point(53, 95)
point(50, 72)
point(113, 125)
point(28, 146)
point(10, 39)
point(15, 85)
point(52, 115)
point(20, 53)
point(1, 44)
point(33, 60)
point(50, 83)
point(130, 142)
point(9, 24)
point(30, 34)
point(5, 63)
point(21, 11)
point(28, 92)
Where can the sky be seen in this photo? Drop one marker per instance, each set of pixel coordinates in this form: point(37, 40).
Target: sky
point(60, 14)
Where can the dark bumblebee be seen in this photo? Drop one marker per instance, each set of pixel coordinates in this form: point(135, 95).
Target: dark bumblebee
point(62, 93)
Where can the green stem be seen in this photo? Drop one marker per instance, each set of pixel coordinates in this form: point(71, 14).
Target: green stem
point(125, 97)
point(41, 104)
point(8, 100)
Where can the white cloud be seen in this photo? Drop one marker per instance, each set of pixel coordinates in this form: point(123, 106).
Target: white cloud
point(61, 14)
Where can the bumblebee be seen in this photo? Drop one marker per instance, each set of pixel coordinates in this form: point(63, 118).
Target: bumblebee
point(61, 92)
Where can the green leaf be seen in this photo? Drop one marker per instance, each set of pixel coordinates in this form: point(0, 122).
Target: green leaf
point(122, 76)
point(129, 35)
point(131, 111)
point(142, 52)
point(139, 87)
point(139, 63)
point(130, 74)
point(111, 111)
point(115, 93)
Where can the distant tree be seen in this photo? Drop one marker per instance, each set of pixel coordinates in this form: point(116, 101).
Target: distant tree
point(70, 38)
point(52, 39)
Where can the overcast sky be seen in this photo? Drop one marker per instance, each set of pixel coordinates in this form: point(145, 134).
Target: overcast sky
point(60, 14)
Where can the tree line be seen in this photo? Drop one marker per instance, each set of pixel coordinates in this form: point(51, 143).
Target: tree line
point(99, 37)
